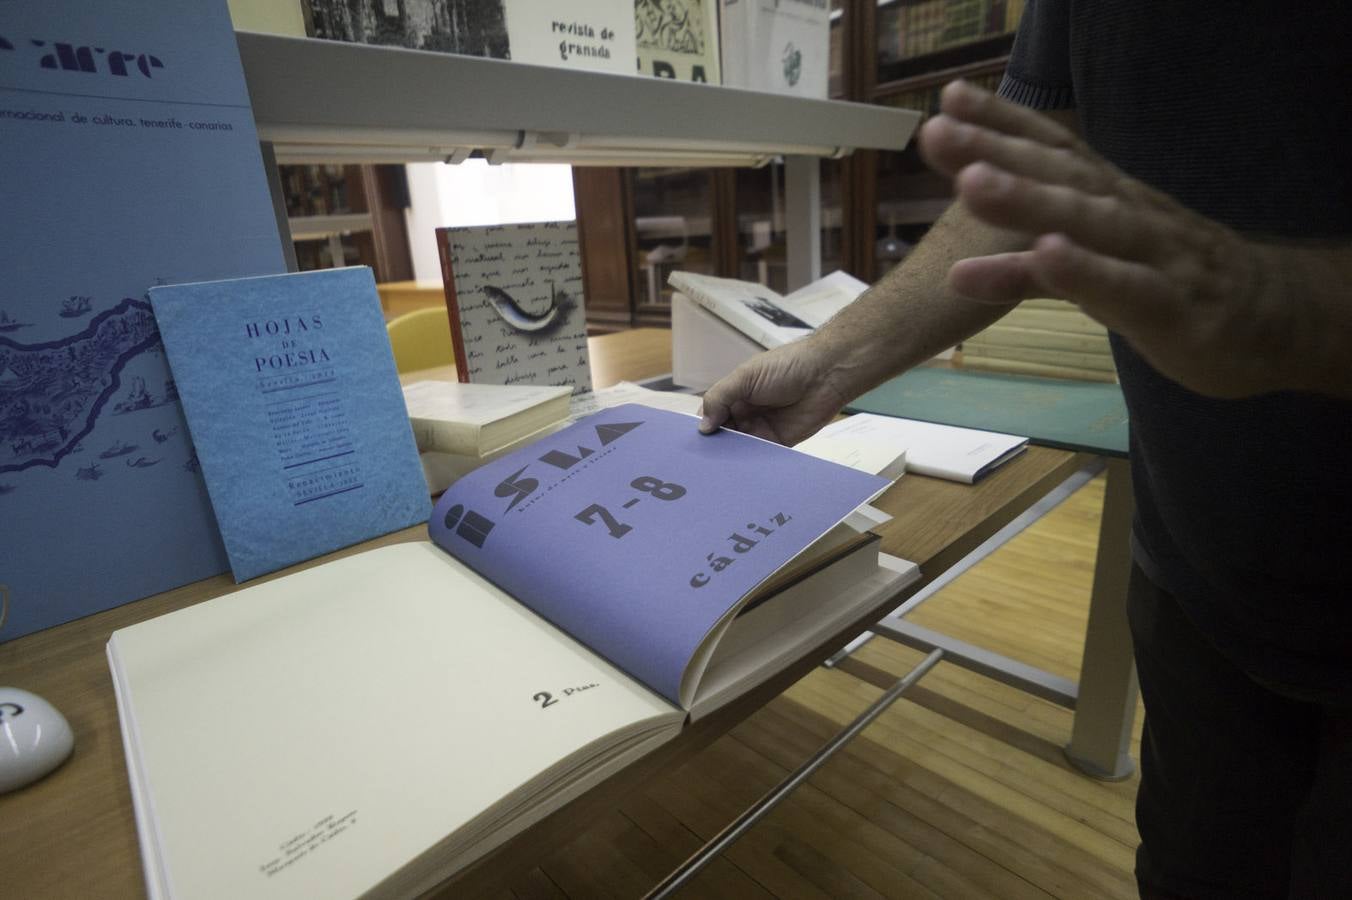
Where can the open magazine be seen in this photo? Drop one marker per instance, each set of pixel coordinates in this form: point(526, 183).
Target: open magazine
point(371, 725)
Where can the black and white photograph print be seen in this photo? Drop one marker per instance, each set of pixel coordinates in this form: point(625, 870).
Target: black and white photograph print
point(469, 27)
point(777, 315)
point(673, 25)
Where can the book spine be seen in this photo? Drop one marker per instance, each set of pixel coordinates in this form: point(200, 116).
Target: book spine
point(1101, 362)
point(1069, 320)
point(735, 41)
point(1049, 303)
point(1014, 336)
point(1012, 367)
point(452, 306)
point(445, 437)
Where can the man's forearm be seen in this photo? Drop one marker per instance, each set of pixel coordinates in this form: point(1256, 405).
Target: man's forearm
point(911, 314)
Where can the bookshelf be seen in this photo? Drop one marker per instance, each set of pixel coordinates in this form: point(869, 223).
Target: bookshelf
point(917, 46)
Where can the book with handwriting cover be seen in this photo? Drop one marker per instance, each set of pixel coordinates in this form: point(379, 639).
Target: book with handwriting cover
point(417, 705)
point(290, 390)
point(130, 159)
point(514, 293)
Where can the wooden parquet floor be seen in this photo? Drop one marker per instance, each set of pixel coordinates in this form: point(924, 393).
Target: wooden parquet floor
point(958, 791)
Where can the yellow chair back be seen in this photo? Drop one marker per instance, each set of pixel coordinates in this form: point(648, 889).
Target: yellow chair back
point(421, 339)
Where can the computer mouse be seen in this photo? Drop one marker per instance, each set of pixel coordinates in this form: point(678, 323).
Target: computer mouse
point(34, 738)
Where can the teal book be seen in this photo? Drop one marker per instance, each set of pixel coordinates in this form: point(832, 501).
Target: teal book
point(1055, 412)
point(128, 158)
point(292, 398)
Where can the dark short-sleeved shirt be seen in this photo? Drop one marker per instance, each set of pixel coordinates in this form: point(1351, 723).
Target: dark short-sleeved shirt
point(1242, 112)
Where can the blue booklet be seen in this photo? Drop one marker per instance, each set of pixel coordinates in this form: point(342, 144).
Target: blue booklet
point(637, 535)
point(129, 159)
point(295, 408)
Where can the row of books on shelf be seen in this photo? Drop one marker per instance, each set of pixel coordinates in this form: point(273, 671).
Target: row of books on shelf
point(315, 190)
point(1043, 337)
point(912, 28)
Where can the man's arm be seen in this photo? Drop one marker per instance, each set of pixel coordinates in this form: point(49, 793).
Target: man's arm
point(1041, 214)
point(1219, 312)
point(788, 393)
point(908, 316)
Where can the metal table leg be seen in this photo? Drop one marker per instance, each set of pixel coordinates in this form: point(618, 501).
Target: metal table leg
point(1106, 706)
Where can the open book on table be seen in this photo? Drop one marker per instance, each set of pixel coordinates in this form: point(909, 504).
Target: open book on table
point(371, 725)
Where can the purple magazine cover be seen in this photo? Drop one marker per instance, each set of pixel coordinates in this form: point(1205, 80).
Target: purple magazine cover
point(635, 533)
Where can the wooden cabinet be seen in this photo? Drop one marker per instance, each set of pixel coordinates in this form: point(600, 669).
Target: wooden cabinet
point(605, 235)
point(348, 215)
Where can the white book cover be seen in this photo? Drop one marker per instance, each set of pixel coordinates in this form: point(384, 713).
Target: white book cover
point(819, 301)
point(460, 418)
point(313, 735)
point(753, 309)
point(780, 46)
point(441, 470)
point(883, 457)
point(941, 451)
point(594, 35)
point(678, 39)
point(704, 348)
point(515, 298)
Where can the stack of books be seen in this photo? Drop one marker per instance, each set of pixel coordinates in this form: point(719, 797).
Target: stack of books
point(913, 28)
point(1051, 338)
point(459, 427)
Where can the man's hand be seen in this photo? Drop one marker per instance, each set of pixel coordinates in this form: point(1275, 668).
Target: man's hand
point(784, 395)
point(1193, 297)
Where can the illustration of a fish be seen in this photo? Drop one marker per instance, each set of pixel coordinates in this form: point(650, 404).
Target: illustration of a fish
point(514, 315)
point(161, 436)
point(142, 463)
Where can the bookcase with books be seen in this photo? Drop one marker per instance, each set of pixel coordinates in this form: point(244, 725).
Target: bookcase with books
point(347, 215)
point(918, 46)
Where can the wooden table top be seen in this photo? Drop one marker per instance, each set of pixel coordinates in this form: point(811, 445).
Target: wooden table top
point(73, 833)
